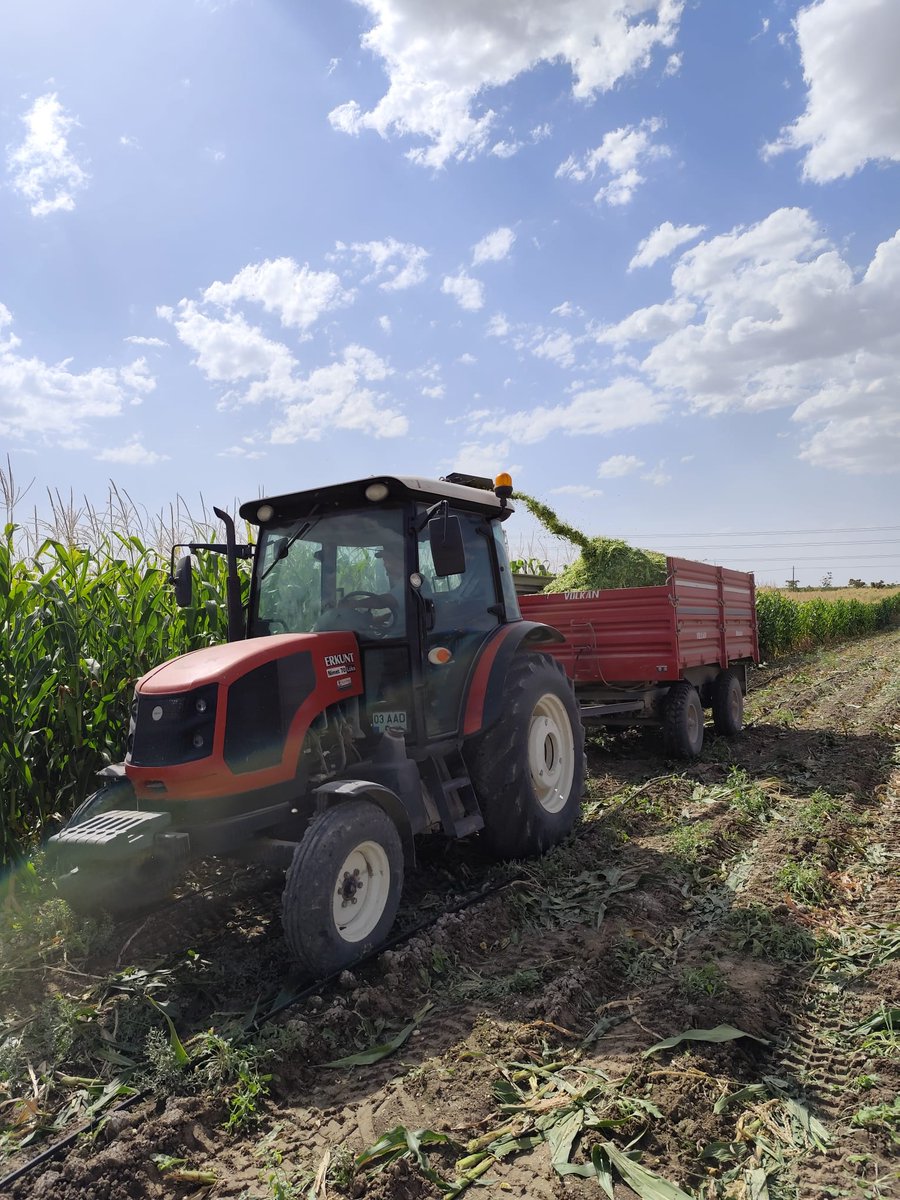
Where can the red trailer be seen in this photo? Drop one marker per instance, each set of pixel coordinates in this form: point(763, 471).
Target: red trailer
point(659, 654)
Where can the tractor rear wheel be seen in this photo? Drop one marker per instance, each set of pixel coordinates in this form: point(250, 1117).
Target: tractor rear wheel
point(342, 890)
point(683, 721)
point(528, 769)
point(727, 704)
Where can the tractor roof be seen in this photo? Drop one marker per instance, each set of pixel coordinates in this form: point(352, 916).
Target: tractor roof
point(479, 498)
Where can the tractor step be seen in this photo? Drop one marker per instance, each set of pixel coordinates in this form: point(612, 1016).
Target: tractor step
point(118, 832)
point(452, 790)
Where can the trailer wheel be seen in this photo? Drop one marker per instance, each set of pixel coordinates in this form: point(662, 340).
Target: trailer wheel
point(528, 769)
point(683, 721)
point(342, 890)
point(727, 704)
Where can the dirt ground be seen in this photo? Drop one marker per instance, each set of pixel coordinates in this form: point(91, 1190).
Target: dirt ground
point(756, 889)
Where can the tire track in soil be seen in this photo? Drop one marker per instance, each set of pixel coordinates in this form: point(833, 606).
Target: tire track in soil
point(821, 1056)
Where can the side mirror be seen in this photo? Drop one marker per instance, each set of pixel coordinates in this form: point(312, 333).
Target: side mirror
point(447, 550)
point(183, 580)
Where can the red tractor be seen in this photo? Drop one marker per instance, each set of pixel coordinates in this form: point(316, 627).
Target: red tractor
point(381, 684)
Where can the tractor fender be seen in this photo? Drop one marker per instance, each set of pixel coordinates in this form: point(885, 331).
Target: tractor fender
point(484, 698)
point(339, 791)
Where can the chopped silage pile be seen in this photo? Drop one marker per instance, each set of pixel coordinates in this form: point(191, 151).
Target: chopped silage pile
point(603, 562)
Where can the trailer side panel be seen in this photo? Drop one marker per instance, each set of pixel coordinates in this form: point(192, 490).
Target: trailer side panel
point(704, 615)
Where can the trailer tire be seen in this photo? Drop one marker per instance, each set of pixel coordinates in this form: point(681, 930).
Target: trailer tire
point(727, 704)
point(528, 769)
point(683, 721)
point(350, 848)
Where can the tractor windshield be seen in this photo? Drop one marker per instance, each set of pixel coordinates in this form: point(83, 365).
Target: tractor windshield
point(339, 570)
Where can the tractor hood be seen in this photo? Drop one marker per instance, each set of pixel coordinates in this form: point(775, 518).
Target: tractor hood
point(229, 661)
point(232, 719)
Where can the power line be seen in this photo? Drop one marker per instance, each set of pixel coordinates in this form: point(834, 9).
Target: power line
point(826, 559)
point(729, 533)
point(815, 545)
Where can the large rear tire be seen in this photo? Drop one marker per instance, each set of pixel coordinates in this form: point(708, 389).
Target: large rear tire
point(528, 769)
point(727, 704)
point(683, 721)
point(342, 890)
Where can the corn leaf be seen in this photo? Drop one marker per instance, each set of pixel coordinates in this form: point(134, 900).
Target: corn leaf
point(376, 1053)
point(647, 1185)
point(721, 1033)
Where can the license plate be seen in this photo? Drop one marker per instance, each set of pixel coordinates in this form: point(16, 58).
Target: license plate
point(389, 720)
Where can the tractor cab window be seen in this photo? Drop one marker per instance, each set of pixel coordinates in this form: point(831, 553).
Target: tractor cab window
point(461, 612)
point(342, 570)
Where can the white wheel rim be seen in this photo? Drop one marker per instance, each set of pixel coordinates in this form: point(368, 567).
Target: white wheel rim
point(551, 753)
point(361, 891)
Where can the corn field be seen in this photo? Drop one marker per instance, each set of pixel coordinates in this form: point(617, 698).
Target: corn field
point(786, 625)
point(78, 627)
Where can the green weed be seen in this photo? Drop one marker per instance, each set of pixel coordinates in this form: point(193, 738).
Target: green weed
point(757, 931)
point(805, 880)
point(690, 842)
point(700, 982)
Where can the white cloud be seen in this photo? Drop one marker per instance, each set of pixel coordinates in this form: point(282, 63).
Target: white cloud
point(657, 476)
point(467, 359)
point(241, 452)
point(623, 404)
point(229, 350)
point(433, 393)
point(567, 309)
point(399, 265)
point(498, 326)
point(384, 324)
point(130, 142)
point(577, 489)
point(849, 53)
point(55, 405)
point(503, 149)
point(484, 458)
point(440, 58)
point(650, 323)
point(132, 454)
point(42, 168)
point(559, 347)
point(673, 64)
point(661, 241)
point(618, 465)
point(338, 397)
point(493, 247)
point(619, 155)
point(297, 295)
point(466, 291)
point(782, 320)
point(146, 341)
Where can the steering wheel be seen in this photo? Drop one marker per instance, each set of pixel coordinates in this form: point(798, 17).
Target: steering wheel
point(369, 602)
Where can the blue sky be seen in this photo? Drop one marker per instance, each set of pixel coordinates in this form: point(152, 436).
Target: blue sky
point(644, 254)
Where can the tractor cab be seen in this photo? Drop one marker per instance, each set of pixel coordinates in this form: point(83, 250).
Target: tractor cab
point(416, 570)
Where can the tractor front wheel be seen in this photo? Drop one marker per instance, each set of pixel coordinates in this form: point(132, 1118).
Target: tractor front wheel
point(528, 769)
point(342, 890)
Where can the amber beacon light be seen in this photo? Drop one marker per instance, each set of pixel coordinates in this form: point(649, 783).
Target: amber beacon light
point(503, 486)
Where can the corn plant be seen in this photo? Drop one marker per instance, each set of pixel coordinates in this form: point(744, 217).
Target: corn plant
point(78, 627)
point(786, 625)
